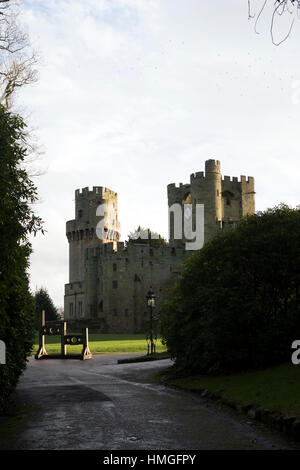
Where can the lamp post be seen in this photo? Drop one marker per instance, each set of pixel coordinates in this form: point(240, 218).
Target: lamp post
point(151, 300)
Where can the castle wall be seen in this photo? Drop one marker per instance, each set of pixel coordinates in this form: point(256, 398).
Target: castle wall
point(128, 273)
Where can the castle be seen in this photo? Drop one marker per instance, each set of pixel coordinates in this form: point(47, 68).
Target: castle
point(109, 280)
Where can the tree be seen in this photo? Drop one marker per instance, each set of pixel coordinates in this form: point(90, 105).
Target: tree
point(43, 301)
point(145, 235)
point(17, 58)
point(17, 221)
point(280, 8)
point(237, 304)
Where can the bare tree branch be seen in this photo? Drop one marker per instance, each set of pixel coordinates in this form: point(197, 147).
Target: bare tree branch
point(17, 57)
point(280, 8)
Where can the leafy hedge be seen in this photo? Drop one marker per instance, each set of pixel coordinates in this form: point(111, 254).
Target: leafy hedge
point(237, 303)
point(17, 193)
point(16, 326)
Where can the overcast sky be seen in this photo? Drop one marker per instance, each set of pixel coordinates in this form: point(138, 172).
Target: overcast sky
point(136, 94)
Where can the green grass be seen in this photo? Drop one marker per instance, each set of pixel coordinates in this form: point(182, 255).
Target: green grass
point(276, 388)
point(101, 344)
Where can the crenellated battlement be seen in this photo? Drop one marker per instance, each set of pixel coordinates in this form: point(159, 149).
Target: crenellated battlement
point(96, 190)
point(74, 287)
point(177, 193)
point(235, 179)
point(227, 178)
point(176, 186)
point(75, 234)
point(248, 180)
point(198, 174)
point(212, 166)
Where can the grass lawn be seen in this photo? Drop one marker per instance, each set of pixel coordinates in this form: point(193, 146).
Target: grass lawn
point(276, 388)
point(101, 344)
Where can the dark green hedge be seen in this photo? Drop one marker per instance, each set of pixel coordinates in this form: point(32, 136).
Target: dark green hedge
point(237, 305)
point(16, 327)
point(17, 221)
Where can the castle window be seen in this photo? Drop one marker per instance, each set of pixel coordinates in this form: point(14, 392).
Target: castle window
point(115, 284)
point(71, 309)
point(228, 196)
point(126, 312)
point(80, 213)
point(115, 312)
point(80, 309)
point(114, 267)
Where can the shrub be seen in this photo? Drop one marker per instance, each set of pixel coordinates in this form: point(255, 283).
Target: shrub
point(236, 305)
point(17, 193)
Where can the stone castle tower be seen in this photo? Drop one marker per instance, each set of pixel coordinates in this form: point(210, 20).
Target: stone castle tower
point(225, 200)
point(108, 281)
point(82, 236)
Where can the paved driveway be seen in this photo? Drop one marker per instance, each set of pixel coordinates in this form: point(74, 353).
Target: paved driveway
point(98, 404)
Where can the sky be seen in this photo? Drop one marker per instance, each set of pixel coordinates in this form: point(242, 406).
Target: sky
point(136, 94)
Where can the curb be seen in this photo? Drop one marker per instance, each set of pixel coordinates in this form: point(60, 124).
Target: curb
point(288, 425)
point(142, 359)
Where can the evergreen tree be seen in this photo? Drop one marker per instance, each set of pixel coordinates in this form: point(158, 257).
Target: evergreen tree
point(43, 301)
point(146, 236)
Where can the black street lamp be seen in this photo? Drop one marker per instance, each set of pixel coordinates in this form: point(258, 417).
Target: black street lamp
point(151, 301)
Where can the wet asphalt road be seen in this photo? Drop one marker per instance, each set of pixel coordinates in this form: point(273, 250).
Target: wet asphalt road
point(98, 404)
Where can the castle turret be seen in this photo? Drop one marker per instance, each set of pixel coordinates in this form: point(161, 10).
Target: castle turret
point(92, 208)
point(95, 223)
point(225, 201)
point(248, 195)
point(206, 189)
